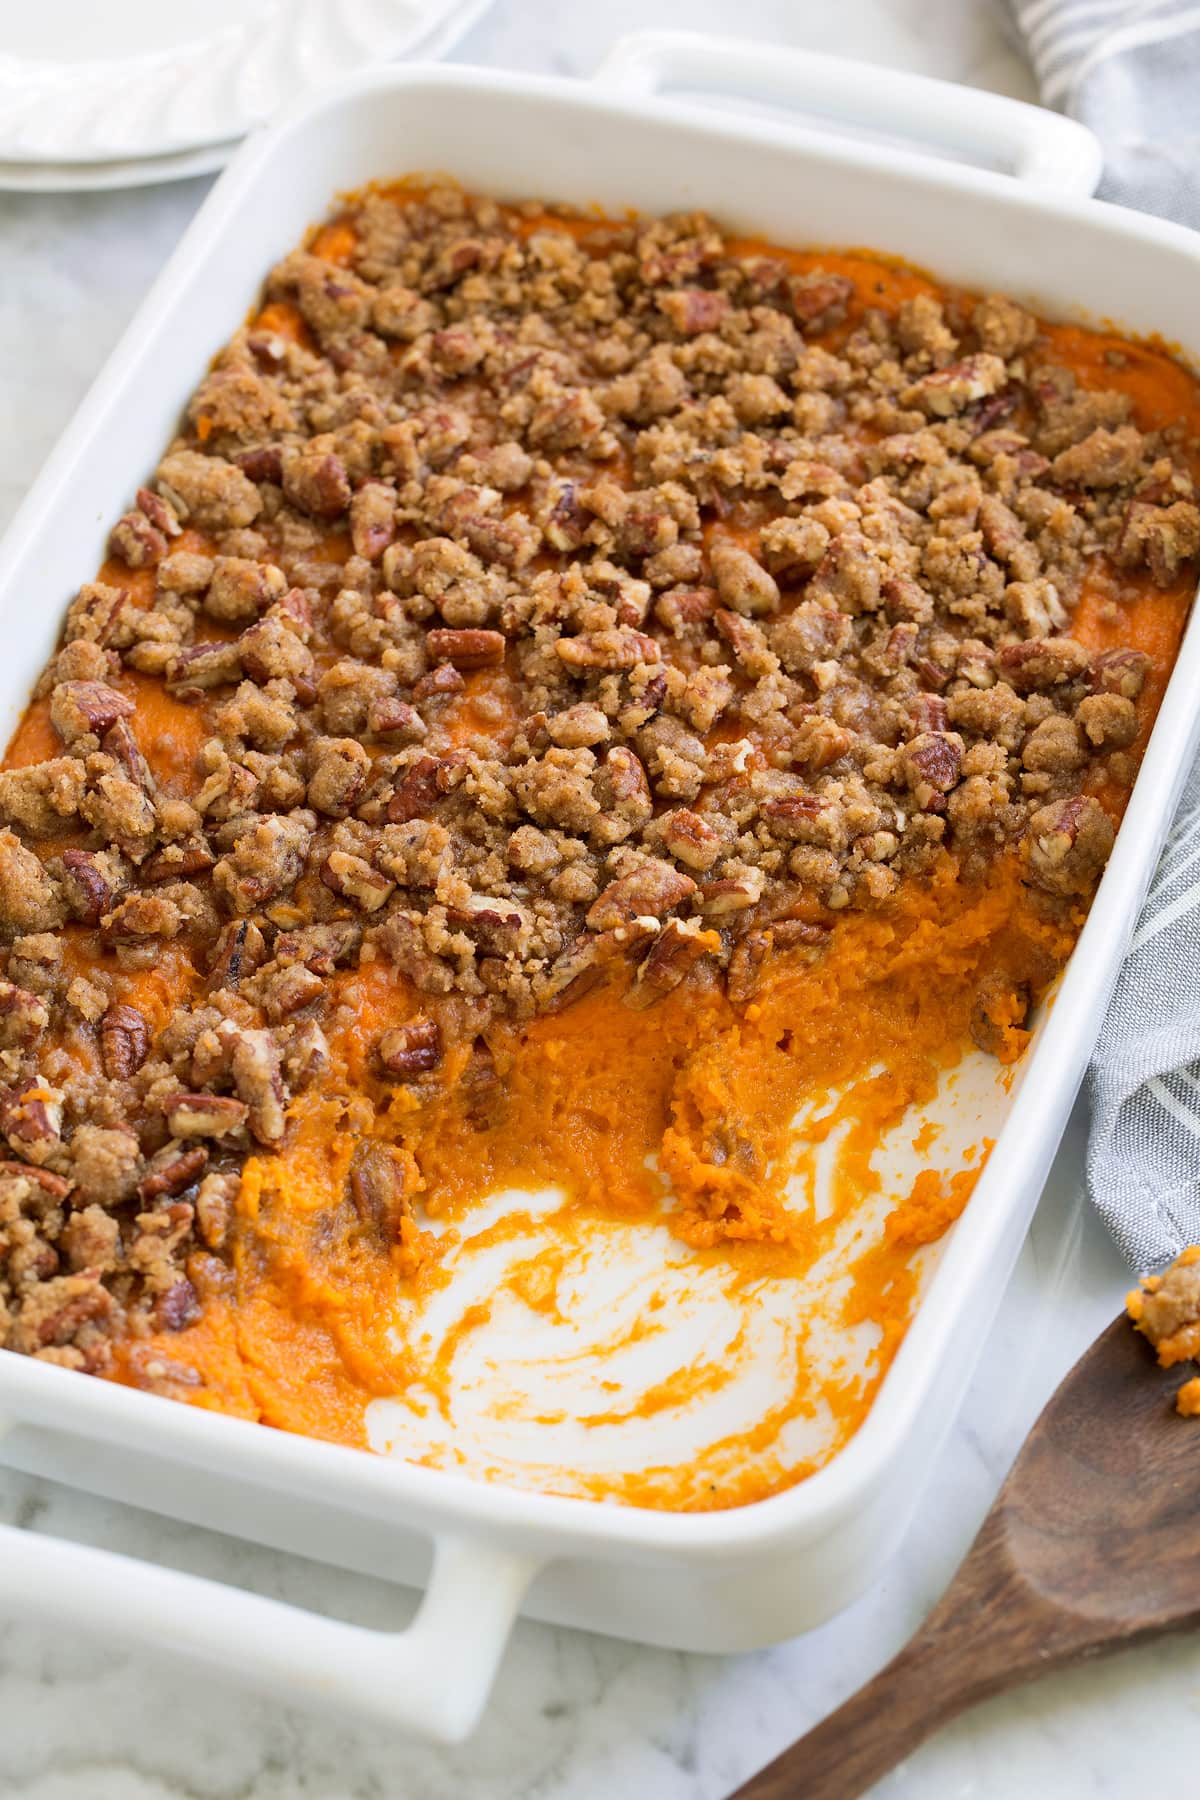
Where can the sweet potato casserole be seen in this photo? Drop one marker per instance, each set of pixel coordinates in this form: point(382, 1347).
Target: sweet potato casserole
point(575, 694)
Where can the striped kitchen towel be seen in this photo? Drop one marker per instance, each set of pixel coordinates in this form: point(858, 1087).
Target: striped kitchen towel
point(1143, 1159)
point(1131, 71)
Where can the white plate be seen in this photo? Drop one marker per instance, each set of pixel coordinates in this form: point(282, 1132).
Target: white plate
point(114, 95)
point(95, 177)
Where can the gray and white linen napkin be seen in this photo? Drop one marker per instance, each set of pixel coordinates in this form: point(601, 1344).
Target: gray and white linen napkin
point(1130, 69)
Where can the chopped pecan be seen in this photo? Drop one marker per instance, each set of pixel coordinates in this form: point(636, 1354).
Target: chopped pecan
point(647, 705)
point(927, 712)
point(1120, 672)
point(789, 934)
point(65, 1307)
point(240, 949)
point(748, 642)
point(680, 608)
point(1161, 537)
point(214, 1203)
point(263, 463)
point(793, 813)
point(952, 389)
point(439, 683)
point(124, 1041)
point(355, 878)
point(389, 717)
point(141, 916)
point(819, 299)
point(258, 1079)
point(492, 921)
point(986, 414)
point(178, 1308)
point(120, 743)
point(417, 792)
point(1041, 663)
point(622, 786)
point(690, 838)
point(572, 974)
point(53, 1186)
point(88, 891)
point(273, 650)
point(162, 516)
point(467, 648)
point(679, 946)
point(567, 523)
point(23, 1017)
point(96, 613)
point(306, 1055)
point(379, 1189)
point(692, 310)
point(746, 963)
point(171, 1171)
point(459, 257)
point(566, 420)
point(412, 1049)
point(932, 761)
point(511, 541)
point(293, 610)
point(817, 742)
point(203, 666)
point(615, 649)
point(731, 893)
point(177, 862)
point(286, 990)
point(742, 582)
point(266, 860)
point(1069, 844)
point(137, 541)
point(203, 1115)
point(31, 1120)
point(321, 948)
point(241, 588)
point(372, 520)
point(340, 767)
point(316, 482)
point(80, 707)
point(650, 891)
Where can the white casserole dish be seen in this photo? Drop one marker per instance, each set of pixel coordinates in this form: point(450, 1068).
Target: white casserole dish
point(719, 1581)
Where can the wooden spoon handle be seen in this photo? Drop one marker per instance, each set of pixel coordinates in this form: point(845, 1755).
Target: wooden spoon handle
point(989, 1632)
point(874, 1730)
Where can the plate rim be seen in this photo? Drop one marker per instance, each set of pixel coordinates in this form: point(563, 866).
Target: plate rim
point(274, 53)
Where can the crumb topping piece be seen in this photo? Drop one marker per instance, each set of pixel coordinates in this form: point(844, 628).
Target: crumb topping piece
point(1166, 1309)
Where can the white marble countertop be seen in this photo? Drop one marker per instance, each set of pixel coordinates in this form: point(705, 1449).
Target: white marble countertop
point(573, 1717)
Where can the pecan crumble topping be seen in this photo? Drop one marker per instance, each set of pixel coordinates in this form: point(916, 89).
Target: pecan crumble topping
point(525, 598)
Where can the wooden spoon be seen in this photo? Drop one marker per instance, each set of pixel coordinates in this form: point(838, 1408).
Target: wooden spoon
point(1093, 1544)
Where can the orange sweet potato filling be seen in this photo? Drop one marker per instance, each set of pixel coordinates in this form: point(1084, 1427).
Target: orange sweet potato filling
point(301, 1334)
point(298, 1332)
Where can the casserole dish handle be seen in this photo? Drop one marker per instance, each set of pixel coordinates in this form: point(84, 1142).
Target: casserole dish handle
point(1042, 149)
point(431, 1680)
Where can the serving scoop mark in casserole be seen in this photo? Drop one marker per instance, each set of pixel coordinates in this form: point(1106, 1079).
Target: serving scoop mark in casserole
point(609, 710)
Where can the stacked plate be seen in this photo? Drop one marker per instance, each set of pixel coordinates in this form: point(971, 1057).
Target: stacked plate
point(128, 92)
